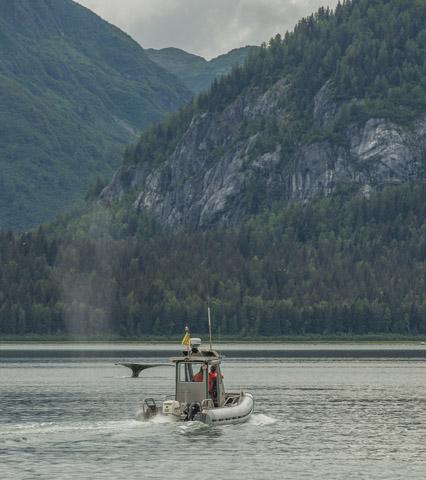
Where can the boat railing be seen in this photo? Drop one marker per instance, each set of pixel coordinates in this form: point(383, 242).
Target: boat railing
point(207, 404)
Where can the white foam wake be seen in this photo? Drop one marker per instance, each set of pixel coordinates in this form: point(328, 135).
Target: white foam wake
point(261, 420)
point(157, 419)
point(22, 431)
point(190, 428)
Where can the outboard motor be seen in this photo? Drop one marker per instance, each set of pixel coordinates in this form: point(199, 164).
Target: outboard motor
point(149, 408)
point(193, 409)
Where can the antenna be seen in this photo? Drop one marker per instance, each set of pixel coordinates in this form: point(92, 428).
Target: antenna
point(210, 327)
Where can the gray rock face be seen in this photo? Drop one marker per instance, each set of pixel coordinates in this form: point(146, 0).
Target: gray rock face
point(325, 108)
point(216, 172)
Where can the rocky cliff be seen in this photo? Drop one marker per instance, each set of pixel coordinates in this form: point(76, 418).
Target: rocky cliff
point(216, 171)
point(337, 104)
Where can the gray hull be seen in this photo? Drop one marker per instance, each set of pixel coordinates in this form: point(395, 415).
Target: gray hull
point(236, 413)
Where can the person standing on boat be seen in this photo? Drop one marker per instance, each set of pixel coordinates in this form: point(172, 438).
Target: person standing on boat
point(213, 387)
point(212, 375)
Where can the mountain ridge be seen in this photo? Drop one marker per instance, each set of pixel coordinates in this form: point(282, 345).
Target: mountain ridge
point(293, 123)
point(196, 72)
point(290, 198)
point(74, 91)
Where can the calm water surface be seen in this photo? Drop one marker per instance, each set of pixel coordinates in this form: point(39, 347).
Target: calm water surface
point(74, 417)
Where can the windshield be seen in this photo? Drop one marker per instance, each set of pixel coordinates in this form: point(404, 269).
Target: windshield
point(191, 372)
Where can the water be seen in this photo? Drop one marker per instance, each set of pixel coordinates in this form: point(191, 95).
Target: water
point(74, 417)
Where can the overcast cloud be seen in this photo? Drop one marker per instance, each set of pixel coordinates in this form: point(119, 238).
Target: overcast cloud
point(204, 27)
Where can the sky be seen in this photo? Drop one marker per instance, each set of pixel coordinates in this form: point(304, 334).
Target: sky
point(204, 27)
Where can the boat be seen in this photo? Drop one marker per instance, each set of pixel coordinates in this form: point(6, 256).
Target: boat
point(199, 390)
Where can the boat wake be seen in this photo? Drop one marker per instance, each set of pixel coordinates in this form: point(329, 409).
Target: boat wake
point(27, 432)
point(193, 428)
point(261, 420)
point(257, 420)
point(156, 420)
point(39, 431)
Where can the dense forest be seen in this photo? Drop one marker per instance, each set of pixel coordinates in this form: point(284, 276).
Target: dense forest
point(338, 265)
point(370, 51)
point(343, 264)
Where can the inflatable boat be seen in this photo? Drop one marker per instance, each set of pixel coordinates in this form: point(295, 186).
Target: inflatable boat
point(199, 390)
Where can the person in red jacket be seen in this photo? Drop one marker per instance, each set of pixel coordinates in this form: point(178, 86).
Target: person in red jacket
point(212, 378)
point(198, 377)
point(213, 387)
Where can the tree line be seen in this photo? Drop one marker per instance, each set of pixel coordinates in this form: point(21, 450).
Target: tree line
point(338, 265)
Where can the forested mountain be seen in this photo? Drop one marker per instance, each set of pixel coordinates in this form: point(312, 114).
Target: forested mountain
point(342, 264)
point(291, 195)
point(196, 72)
point(338, 103)
point(74, 90)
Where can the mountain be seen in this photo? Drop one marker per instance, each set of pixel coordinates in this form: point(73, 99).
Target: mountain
point(194, 71)
point(74, 90)
point(340, 103)
point(291, 197)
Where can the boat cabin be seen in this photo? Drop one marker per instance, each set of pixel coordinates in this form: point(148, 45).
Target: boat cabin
point(198, 377)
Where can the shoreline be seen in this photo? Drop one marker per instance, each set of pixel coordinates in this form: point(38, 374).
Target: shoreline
point(231, 339)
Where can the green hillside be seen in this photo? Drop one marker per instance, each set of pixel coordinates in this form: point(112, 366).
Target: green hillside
point(73, 91)
point(340, 265)
point(194, 71)
point(351, 262)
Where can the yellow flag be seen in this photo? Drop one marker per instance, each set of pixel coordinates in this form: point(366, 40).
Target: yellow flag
point(186, 340)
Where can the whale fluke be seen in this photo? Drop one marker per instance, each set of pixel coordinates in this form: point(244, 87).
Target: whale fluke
point(137, 368)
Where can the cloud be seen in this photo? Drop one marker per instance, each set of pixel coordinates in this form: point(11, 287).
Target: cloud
point(204, 27)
